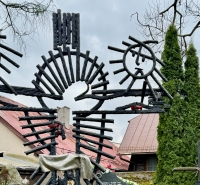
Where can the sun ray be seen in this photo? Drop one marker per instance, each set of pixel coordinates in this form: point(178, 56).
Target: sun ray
point(152, 75)
point(9, 60)
point(53, 73)
point(11, 50)
point(91, 68)
point(116, 49)
point(116, 61)
point(58, 70)
point(99, 84)
point(103, 76)
point(39, 79)
point(130, 85)
point(152, 90)
point(64, 66)
point(70, 65)
point(38, 86)
point(8, 86)
point(143, 90)
point(96, 73)
point(161, 75)
point(49, 79)
point(5, 68)
point(85, 65)
point(124, 79)
point(119, 71)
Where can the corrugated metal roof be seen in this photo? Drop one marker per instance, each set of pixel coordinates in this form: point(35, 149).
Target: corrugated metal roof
point(64, 146)
point(141, 135)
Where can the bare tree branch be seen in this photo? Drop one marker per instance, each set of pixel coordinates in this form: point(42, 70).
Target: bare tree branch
point(156, 20)
point(24, 18)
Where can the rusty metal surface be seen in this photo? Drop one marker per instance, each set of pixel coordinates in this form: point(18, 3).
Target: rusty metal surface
point(141, 135)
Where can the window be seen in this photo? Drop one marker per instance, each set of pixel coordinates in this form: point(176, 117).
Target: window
point(140, 166)
point(152, 163)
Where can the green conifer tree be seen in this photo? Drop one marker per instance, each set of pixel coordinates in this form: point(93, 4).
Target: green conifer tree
point(170, 129)
point(191, 95)
point(178, 130)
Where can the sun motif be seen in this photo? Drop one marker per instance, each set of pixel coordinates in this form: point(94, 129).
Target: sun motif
point(9, 60)
point(136, 71)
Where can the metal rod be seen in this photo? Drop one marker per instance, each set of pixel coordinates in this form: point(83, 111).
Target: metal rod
point(37, 132)
point(100, 84)
point(70, 65)
point(11, 50)
point(44, 83)
point(103, 76)
point(93, 119)
point(37, 86)
point(37, 117)
point(68, 28)
point(124, 79)
point(95, 73)
point(150, 111)
point(34, 174)
point(161, 75)
point(41, 179)
point(64, 67)
point(55, 34)
point(30, 109)
point(91, 134)
point(92, 141)
point(116, 61)
point(2, 36)
point(5, 68)
point(94, 127)
point(59, 28)
point(91, 68)
point(40, 148)
point(85, 66)
point(9, 60)
point(59, 71)
point(130, 85)
point(36, 125)
point(49, 79)
point(8, 86)
point(39, 140)
point(53, 73)
point(116, 49)
point(119, 71)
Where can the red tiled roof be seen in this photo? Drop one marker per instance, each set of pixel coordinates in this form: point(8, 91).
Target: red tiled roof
point(11, 119)
point(141, 135)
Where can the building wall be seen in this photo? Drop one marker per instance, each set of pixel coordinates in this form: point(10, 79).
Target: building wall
point(12, 144)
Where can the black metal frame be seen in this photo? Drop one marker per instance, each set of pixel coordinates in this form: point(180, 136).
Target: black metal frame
point(52, 84)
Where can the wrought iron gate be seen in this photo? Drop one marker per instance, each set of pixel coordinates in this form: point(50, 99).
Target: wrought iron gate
point(62, 74)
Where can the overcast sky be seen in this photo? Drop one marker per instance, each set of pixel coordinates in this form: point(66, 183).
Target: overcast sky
point(103, 23)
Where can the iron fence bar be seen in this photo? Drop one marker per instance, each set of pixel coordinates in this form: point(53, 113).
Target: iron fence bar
point(94, 127)
point(92, 141)
point(91, 134)
point(39, 140)
point(40, 148)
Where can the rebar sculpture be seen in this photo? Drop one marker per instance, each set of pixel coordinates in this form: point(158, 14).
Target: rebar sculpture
point(57, 73)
